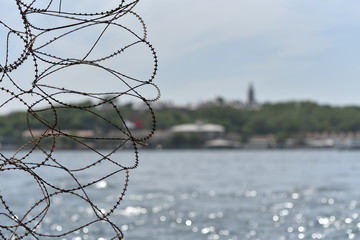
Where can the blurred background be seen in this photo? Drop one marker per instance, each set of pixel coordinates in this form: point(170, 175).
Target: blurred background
point(258, 125)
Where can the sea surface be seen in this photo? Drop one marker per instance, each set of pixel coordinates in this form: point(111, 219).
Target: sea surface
point(203, 194)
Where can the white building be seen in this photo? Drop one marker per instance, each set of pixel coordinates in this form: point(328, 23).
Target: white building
point(204, 130)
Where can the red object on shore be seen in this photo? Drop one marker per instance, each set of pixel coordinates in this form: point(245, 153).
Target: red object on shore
point(138, 124)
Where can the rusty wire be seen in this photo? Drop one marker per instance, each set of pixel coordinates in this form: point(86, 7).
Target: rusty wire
point(37, 40)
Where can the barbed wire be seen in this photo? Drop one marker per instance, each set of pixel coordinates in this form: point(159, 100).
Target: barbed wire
point(38, 39)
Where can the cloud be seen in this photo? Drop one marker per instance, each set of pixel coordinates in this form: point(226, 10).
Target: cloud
point(182, 27)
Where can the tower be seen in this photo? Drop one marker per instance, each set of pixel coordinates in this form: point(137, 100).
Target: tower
point(251, 96)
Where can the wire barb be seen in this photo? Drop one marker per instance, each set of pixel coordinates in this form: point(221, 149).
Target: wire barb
point(41, 48)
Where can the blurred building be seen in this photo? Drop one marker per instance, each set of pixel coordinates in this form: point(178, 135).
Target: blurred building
point(251, 101)
point(205, 131)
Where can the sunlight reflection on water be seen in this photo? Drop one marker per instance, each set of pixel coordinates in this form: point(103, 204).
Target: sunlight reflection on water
point(226, 198)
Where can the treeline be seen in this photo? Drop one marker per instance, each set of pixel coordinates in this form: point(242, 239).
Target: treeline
point(283, 119)
point(14, 124)
point(289, 117)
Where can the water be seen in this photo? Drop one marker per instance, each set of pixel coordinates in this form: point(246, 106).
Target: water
point(198, 194)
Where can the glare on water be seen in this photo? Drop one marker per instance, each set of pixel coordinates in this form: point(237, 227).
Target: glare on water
point(232, 195)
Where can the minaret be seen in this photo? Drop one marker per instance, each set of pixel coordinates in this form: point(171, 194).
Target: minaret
point(251, 96)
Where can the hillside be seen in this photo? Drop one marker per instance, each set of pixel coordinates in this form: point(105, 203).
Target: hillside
point(284, 119)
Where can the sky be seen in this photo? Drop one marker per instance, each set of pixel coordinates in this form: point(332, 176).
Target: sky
point(287, 49)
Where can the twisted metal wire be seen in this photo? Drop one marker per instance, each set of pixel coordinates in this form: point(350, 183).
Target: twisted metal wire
point(36, 41)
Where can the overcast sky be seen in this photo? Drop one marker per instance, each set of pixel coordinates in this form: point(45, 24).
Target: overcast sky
point(288, 49)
